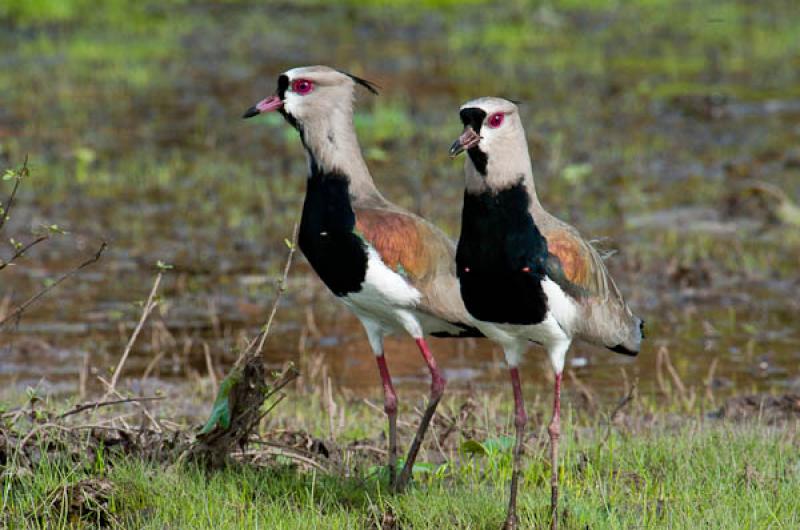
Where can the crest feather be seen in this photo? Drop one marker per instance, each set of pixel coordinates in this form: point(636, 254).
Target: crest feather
point(369, 85)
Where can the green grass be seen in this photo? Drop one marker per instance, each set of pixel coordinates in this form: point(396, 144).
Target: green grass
point(663, 473)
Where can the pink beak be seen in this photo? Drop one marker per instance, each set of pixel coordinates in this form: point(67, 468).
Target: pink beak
point(468, 139)
point(265, 105)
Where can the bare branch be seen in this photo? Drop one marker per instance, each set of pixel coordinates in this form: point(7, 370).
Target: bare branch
point(138, 403)
point(16, 314)
point(98, 404)
point(19, 252)
point(22, 172)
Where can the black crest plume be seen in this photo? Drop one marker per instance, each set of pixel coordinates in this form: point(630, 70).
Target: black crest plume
point(369, 85)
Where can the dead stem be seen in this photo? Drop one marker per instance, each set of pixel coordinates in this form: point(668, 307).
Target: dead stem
point(245, 391)
point(98, 404)
point(281, 289)
point(212, 375)
point(141, 407)
point(149, 305)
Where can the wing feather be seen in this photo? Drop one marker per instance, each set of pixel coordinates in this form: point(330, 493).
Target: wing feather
point(399, 239)
point(577, 266)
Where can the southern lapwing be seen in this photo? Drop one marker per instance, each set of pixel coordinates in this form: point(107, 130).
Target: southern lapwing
point(394, 270)
point(524, 275)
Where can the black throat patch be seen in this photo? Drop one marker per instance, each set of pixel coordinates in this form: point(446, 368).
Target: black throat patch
point(501, 258)
point(474, 117)
point(283, 86)
point(327, 232)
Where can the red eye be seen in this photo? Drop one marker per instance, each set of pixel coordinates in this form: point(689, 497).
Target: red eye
point(496, 120)
point(302, 86)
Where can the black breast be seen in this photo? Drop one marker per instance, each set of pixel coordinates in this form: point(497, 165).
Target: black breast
point(326, 235)
point(501, 258)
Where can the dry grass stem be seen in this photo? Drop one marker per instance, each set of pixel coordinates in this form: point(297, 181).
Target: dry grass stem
point(97, 404)
point(149, 305)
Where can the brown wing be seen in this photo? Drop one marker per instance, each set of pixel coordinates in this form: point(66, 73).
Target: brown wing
point(425, 256)
point(576, 266)
point(402, 241)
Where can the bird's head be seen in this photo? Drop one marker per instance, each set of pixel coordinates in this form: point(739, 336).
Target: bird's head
point(310, 92)
point(492, 132)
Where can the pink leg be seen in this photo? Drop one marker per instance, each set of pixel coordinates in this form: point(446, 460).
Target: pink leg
point(555, 433)
point(390, 406)
point(437, 389)
point(520, 419)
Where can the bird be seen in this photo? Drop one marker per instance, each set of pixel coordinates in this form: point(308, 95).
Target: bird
point(391, 268)
point(526, 276)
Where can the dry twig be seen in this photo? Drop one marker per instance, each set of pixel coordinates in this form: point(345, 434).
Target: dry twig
point(98, 404)
point(262, 336)
point(141, 407)
point(20, 174)
point(146, 310)
point(20, 251)
point(16, 314)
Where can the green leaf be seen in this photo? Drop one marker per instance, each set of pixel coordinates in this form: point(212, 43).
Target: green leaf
point(382, 472)
point(32, 394)
point(423, 467)
point(490, 447)
point(473, 447)
point(223, 408)
point(162, 266)
point(499, 445)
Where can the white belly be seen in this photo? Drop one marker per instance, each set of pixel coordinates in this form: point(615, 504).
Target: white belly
point(386, 297)
point(554, 332)
point(383, 287)
point(389, 303)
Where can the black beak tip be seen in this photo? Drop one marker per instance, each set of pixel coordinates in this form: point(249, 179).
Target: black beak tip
point(456, 149)
point(252, 111)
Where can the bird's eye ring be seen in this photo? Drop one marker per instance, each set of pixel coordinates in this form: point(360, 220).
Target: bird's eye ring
point(302, 86)
point(496, 120)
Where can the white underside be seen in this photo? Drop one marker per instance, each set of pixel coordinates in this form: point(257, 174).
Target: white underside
point(387, 304)
point(554, 332)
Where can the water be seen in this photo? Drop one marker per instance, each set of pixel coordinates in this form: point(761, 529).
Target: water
point(648, 128)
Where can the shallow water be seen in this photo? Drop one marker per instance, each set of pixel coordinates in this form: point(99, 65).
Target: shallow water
point(647, 127)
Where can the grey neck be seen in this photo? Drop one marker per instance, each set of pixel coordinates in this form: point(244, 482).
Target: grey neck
point(332, 144)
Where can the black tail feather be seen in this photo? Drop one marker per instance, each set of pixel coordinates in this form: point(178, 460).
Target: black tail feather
point(620, 348)
point(465, 332)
